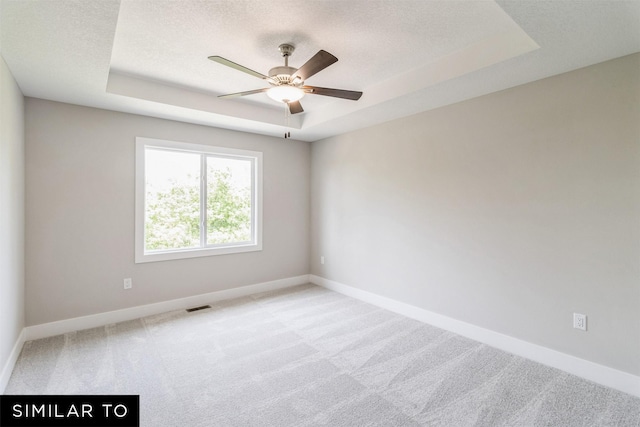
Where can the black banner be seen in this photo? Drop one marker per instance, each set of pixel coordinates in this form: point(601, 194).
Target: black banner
point(70, 410)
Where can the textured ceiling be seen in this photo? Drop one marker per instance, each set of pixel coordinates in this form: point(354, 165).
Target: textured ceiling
point(150, 57)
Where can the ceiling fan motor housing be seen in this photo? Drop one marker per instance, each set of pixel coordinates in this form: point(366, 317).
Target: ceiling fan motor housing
point(283, 75)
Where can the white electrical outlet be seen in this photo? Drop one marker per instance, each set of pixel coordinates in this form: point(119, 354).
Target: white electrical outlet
point(580, 321)
point(322, 260)
point(127, 283)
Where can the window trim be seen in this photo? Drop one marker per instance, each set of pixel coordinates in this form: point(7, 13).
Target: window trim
point(140, 195)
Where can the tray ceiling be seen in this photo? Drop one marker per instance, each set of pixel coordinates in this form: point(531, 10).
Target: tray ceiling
point(150, 57)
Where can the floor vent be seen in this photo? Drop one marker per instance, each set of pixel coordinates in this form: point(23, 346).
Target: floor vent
point(202, 307)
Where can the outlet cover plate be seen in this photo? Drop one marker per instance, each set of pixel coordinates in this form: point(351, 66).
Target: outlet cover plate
point(580, 321)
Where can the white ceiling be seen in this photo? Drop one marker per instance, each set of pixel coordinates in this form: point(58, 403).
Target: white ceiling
point(150, 56)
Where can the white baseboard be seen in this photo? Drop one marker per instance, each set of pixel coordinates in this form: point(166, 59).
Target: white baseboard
point(95, 320)
point(11, 362)
point(591, 371)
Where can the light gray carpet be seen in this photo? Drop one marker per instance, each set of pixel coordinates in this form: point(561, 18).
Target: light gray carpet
point(306, 356)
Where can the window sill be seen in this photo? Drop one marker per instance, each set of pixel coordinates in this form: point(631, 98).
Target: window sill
point(195, 253)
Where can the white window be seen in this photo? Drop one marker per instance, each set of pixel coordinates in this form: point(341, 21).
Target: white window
point(196, 200)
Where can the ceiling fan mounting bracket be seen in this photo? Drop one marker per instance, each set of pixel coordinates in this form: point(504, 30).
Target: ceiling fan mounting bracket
point(286, 49)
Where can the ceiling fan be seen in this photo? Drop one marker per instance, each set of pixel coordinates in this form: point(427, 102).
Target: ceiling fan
point(287, 83)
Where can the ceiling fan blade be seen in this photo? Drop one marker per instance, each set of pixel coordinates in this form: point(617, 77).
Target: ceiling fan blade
point(249, 92)
point(336, 93)
point(318, 62)
point(295, 107)
point(224, 61)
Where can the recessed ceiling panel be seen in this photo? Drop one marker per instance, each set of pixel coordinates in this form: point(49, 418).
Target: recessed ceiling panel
point(407, 56)
point(375, 41)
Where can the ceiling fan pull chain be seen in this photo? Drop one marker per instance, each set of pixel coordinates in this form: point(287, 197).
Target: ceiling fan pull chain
point(287, 115)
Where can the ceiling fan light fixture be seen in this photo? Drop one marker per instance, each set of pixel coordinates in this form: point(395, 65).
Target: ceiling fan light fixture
point(285, 93)
point(288, 82)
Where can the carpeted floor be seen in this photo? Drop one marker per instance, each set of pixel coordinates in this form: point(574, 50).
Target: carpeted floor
point(306, 356)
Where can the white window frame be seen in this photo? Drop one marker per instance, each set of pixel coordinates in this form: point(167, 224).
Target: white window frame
point(140, 194)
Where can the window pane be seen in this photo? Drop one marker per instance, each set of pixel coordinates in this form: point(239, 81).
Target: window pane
point(172, 203)
point(196, 200)
point(228, 200)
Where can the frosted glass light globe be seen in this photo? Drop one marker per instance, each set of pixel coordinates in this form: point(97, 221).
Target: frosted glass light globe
point(285, 93)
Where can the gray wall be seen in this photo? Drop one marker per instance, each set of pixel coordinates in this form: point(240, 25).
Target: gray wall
point(12, 318)
point(510, 211)
point(80, 214)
